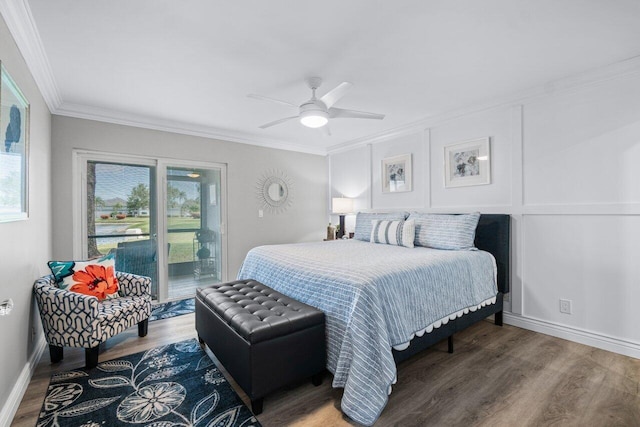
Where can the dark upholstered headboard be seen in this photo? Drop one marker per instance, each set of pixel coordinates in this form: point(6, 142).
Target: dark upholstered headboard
point(494, 235)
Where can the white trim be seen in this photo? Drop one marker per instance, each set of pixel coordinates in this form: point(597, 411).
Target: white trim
point(162, 257)
point(517, 199)
point(160, 164)
point(487, 209)
point(330, 193)
point(12, 403)
point(379, 137)
point(621, 69)
point(426, 143)
point(79, 196)
point(582, 336)
point(583, 209)
point(78, 205)
point(164, 125)
point(370, 172)
point(17, 15)
point(163, 164)
point(517, 155)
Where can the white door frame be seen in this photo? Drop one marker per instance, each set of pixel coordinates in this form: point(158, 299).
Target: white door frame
point(79, 204)
point(161, 170)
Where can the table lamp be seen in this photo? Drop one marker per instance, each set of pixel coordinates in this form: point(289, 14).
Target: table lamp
point(342, 206)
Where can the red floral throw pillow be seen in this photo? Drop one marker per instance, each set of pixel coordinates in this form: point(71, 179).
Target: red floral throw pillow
point(94, 277)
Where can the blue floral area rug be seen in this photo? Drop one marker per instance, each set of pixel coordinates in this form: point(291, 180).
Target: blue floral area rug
point(172, 385)
point(169, 309)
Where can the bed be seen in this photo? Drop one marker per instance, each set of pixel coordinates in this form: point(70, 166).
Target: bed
point(384, 303)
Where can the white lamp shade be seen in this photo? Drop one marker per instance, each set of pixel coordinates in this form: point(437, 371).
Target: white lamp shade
point(342, 205)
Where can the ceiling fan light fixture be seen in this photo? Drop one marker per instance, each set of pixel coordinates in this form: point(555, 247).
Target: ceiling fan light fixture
point(314, 114)
point(314, 119)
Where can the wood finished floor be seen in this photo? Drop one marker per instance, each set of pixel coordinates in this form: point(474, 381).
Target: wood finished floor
point(496, 377)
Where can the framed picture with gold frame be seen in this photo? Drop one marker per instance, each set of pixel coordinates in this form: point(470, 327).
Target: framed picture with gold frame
point(14, 151)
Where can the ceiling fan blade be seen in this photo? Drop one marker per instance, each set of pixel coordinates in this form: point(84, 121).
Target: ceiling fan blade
point(339, 113)
point(277, 122)
point(266, 98)
point(335, 94)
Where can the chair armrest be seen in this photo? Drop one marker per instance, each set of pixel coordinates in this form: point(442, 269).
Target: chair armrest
point(47, 293)
point(132, 285)
point(64, 312)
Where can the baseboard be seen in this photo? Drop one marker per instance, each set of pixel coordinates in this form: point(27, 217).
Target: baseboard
point(10, 407)
point(593, 339)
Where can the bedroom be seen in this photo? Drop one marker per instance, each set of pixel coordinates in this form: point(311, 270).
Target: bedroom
point(563, 153)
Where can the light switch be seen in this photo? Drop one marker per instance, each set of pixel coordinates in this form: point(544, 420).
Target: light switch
point(260, 213)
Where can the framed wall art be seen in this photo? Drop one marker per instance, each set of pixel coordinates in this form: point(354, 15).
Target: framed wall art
point(14, 151)
point(467, 163)
point(396, 174)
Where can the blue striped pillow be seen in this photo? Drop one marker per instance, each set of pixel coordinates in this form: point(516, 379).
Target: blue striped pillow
point(454, 232)
point(400, 233)
point(363, 222)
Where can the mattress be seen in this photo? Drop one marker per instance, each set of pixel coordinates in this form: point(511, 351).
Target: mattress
point(375, 297)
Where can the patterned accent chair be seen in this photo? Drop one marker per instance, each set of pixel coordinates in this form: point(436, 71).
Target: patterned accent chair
point(71, 319)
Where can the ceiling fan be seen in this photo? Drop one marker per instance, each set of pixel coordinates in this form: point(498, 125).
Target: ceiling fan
point(316, 112)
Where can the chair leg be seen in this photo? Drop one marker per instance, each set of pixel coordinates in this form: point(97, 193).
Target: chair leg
point(91, 356)
point(143, 327)
point(56, 353)
point(450, 344)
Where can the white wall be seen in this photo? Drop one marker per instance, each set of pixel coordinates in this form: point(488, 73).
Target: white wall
point(304, 220)
point(564, 164)
point(25, 246)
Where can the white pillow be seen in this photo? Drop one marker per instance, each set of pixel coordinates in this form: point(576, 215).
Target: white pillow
point(364, 220)
point(443, 231)
point(400, 233)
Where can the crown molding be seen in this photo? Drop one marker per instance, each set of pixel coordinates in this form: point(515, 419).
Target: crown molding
point(17, 14)
point(140, 121)
point(378, 137)
point(596, 76)
point(19, 20)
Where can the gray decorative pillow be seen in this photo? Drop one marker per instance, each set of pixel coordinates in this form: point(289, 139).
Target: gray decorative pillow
point(400, 233)
point(454, 232)
point(363, 222)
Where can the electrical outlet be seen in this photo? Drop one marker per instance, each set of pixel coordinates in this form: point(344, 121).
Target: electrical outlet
point(565, 306)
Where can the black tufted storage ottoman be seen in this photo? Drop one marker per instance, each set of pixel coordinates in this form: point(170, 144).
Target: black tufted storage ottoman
point(264, 339)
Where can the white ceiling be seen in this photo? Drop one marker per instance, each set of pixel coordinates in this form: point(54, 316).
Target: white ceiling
point(190, 64)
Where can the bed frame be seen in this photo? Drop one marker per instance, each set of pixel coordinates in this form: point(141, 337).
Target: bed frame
point(492, 235)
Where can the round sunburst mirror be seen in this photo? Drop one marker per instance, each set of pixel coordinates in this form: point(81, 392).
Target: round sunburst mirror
point(274, 191)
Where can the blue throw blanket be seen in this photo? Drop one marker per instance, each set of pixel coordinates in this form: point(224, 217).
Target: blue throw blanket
point(375, 297)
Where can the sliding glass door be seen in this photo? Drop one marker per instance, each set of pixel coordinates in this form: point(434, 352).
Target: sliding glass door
point(121, 216)
point(172, 232)
point(193, 223)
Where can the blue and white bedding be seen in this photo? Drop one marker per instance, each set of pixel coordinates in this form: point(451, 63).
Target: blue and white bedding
point(375, 298)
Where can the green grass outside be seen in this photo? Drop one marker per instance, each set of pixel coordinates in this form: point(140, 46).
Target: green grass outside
point(181, 249)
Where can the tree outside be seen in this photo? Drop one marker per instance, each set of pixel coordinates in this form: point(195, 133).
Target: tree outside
point(175, 196)
point(138, 199)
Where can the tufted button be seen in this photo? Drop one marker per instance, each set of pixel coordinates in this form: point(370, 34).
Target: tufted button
point(257, 312)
